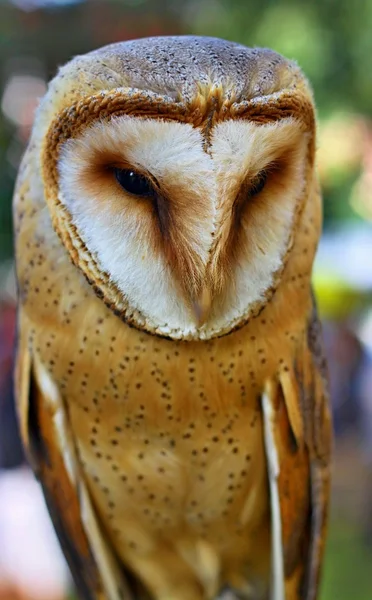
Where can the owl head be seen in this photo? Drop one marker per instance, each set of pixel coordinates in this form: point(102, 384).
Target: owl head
point(175, 171)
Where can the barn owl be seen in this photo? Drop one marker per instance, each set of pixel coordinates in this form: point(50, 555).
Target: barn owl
point(170, 379)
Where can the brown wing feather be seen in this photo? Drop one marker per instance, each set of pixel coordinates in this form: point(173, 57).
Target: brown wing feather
point(61, 497)
point(302, 431)
point(318, 437)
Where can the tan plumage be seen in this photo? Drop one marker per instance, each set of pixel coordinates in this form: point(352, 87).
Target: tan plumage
point(170, 380)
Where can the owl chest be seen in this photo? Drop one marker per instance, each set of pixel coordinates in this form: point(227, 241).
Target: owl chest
point(170, 436)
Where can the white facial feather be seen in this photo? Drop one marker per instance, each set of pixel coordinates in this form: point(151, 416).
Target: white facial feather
point(173, 153)
point(241, 149)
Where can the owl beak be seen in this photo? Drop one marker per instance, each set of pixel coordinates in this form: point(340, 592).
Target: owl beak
point(202, 306)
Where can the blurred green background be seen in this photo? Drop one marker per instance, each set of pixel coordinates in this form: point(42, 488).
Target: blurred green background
point(332, 42)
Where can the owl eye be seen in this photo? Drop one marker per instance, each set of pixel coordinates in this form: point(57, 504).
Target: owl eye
point(134, 183)
point(258, 183)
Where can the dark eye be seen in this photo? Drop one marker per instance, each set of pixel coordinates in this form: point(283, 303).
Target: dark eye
point(133, 182)
point(258, 183)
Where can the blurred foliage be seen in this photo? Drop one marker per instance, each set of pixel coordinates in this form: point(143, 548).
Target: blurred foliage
point(347, 573)
point(337, 299)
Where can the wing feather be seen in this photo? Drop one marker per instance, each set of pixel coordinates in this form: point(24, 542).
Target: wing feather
point(277, 577)
point(50, 446)
point(297, 411)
